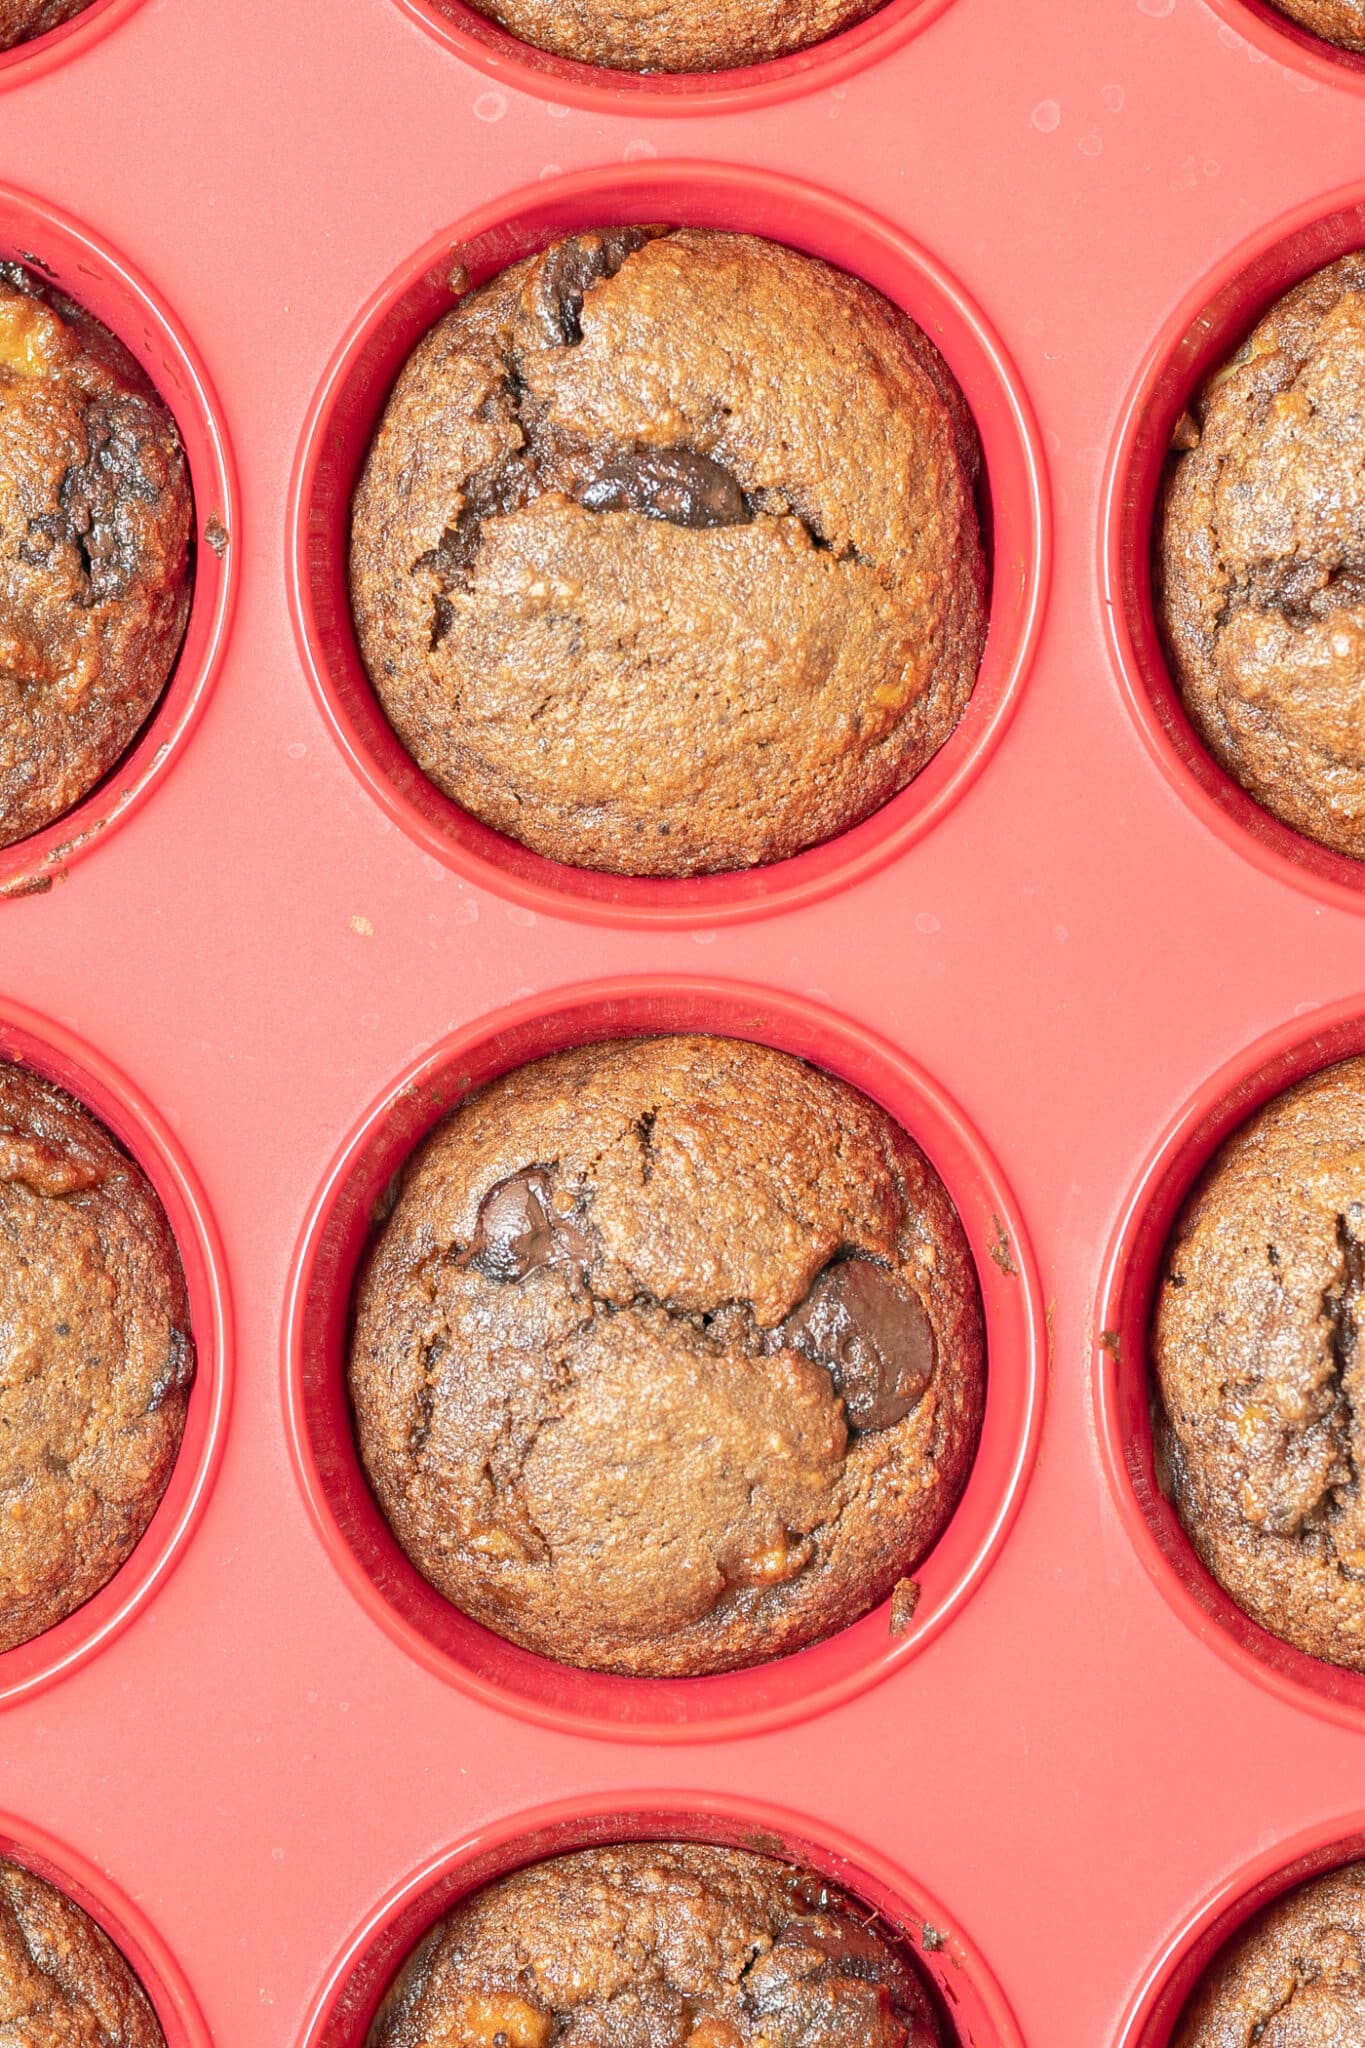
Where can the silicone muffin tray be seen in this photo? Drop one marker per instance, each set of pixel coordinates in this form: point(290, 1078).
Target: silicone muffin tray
point(1070, 958)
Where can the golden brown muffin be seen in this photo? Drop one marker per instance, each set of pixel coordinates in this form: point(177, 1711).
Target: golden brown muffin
point(63, 1984)
point(1261, 1369)
point(1337, 21)
point(669, 1358)
point(658, 1945)
point(1261, 569)
point(96, 1358)
point(21, 20)
point(675, 35)
point(1293, 1978)
point(95, 521)
point(665, 556)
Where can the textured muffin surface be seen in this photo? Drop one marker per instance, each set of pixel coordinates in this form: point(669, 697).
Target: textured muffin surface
point(1336, 21)
point(675, 35)
point(95, 1355)
point(63, 1983)
point(669, 1358)
point(665, 556)
point(95, 521)
point(657, 1945)
point(1293, 1978)
point(1261, 568)
point(20, 20)
point(1260, 1359)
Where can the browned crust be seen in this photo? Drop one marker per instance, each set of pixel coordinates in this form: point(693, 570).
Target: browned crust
point(63, 1983)
point(1294, 1976)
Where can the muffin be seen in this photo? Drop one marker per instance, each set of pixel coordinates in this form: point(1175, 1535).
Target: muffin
point(1337, 21)
point(662, 1942)
point(95, 521)
point(1261, 569)
point(665, 556)
point(1259, 1319)
point(675, 35)
point(669, 1358)
point(96, 1357)
point(21, 20)
point(63, 1984)
point(1293, 1978)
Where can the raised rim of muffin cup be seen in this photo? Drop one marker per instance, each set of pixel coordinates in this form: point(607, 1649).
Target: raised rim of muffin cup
point(1204, 330)
point(55, 1054)
point(1122, 1376)
point(346, 411)
point(565, 81)
point(317, 1327)
point(42, 54)
point(127, 1926)
point(1288, 42)
point(967, 1994)
point(58, 247)
point(1172, 1976)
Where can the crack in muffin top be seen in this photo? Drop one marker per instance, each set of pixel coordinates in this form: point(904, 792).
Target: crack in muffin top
point(669, 1357)
point(665, 556)
point(63, 1983)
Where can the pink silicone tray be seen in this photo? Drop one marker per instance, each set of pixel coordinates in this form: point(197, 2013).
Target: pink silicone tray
point(1070, 958)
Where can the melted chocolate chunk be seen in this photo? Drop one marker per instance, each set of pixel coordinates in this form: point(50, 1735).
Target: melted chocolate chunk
point(571, 267)
point(519, 1231)
point(874, 1338)
point(487, 495)
point(672, 484)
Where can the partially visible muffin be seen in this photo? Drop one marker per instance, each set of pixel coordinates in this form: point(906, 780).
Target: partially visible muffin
point(675, 35)
point(21, 20)
point(1260, 1365)
point(1261, 560)
point(669, 1358)
point(63, 1983)
point(1337, 21)
point(677, 1945)
point(1293, 1978)
point(96, 1356)
point(95, 522)
point(665, 557)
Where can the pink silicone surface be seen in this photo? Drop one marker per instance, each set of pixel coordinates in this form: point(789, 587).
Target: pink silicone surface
point(1070, 961)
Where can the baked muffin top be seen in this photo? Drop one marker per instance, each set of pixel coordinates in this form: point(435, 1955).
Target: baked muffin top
point(96, 1358)
point(1261, 562)
point(95, 522)
point(1261, 1369)
point(63, 1983)
point(20, 20)
point(675, 35)
point(657, 1945)
point(669, 1358)
point(1336, 21)
point(1293, 1978)
point(665, 556)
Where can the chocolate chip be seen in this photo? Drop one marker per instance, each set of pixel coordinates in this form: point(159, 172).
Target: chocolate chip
point(570, 267)
point(873, 1336)
point(519, 1231)
point(672, 484)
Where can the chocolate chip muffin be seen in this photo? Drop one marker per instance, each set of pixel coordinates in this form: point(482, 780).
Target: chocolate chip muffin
point(1261, 569)
point(669, 1358)
point(1337, 21)
point(95, 1355)
point(675, 35)
point(21, 20)
point(1293, 1978)
point(1261, 1368)
point(665, 557)
point(63, 1984)
point(95, 521)
point(662, 1942)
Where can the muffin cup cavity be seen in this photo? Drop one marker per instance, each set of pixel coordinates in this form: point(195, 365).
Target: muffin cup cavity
point(317, 1331)
point(1166, 1987)
point(52, 1053)
point(484, 43)
point(347, 410)
point(972, 2008)
point(1206, 329)
point(1286, 41)
point(43, 54)
point(67, 255)
point(126, 1926)
point(1122, 1370)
